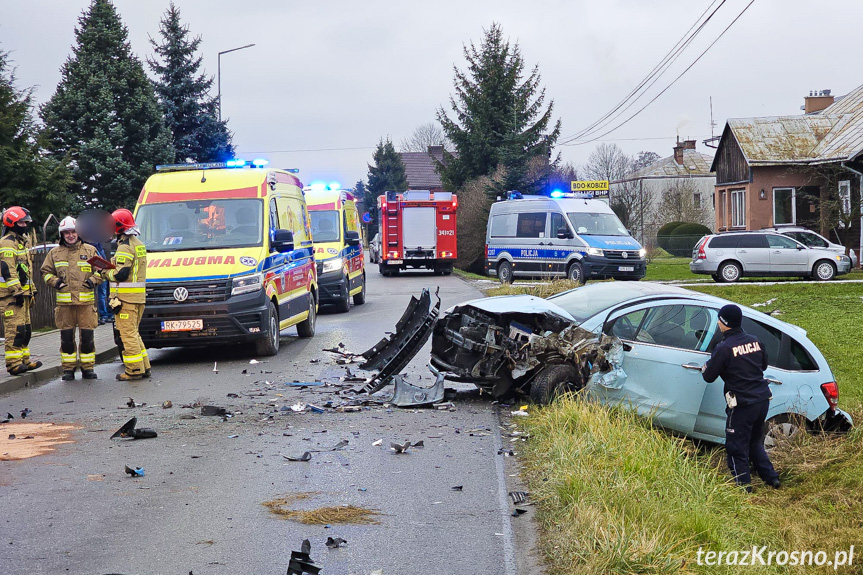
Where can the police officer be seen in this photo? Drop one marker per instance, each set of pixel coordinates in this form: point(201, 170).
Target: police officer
point(128, 294)
point(67, 270)
point(16, 290)
point(740, 360)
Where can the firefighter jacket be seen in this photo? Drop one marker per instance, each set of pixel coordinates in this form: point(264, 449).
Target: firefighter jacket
point(128, 278)
point(15, 264)
point(68, 264)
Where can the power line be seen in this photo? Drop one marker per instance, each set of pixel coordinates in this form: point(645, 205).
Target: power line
point(667, 87)
point(654, 74)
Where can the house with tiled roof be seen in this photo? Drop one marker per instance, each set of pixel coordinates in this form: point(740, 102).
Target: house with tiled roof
point(420, 169)
point(800, 170)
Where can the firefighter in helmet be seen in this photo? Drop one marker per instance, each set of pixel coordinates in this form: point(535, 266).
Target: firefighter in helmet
point(128, 294)
point(16, 290)
point(67, 269)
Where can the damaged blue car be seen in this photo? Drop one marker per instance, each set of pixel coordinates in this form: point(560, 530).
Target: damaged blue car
point(641, 345)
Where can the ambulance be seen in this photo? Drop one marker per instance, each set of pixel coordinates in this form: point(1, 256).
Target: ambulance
point(336, 233)
point(229, 256)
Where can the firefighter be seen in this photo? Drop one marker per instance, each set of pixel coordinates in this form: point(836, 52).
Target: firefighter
point(16, 290)
point(68, 271)
point(128, 294)
point(740, 360)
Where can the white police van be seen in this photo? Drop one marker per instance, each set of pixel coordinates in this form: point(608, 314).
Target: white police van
point(571, 236)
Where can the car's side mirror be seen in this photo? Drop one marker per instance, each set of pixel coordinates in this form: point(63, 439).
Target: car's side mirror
point(283, 241)
point(564, 234)
point(799, 247)
point(352, 238)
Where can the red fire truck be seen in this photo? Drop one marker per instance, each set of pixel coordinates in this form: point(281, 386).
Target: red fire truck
point(417, 231)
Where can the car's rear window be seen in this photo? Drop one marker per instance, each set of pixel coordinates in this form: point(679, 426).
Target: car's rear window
point(719, 242)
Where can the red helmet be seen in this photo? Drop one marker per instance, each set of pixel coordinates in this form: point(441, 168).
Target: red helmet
point(16, 214)
point(123, 219)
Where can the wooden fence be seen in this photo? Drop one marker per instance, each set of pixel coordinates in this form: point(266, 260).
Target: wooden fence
point(42, 311)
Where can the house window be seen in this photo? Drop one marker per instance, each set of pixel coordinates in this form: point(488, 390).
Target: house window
point(845, 196)
point(720, 210)
point(696, 200)
point(738, 209)
point(784, 206)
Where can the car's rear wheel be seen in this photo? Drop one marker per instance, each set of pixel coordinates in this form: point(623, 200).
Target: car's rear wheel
point(269, 345)
point(504, 272)
point(729, 272)
point(575, 273)
point(782, 429)
point(306, 328)
point(553, 381)
point(823, 270)
point(360, 298)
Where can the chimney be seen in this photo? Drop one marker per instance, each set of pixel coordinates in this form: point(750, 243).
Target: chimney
point(679, 147)
point(435, 152)
point(817, 100)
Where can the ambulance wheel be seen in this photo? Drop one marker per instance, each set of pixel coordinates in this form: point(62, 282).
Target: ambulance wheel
point(270, 344)
point(307, 328)
point(360, 298)
point(343, 305)
point(504, 272)
point(575, 273)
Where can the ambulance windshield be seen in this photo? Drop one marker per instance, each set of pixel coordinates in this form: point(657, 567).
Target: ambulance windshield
point(201, 224)
point(325, 226)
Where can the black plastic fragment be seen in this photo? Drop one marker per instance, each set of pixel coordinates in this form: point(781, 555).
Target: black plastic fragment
point(301, 561)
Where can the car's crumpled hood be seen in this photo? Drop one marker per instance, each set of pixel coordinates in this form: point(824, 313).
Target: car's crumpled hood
point(517, 304)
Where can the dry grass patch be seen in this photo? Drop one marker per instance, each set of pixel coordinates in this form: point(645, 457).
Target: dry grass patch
point(342, 514)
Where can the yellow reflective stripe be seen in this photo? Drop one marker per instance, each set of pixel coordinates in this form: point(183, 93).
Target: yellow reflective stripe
point(88, 357)
point(12, 282)
point(7, 253)
point(121, 258)
point(61, 264)
point(46, 277)
point(85, 296)
point(68, 357)
point(137, 358)
point(144, 353)
point(14, 354)
point(63, 297)
point(129, 290)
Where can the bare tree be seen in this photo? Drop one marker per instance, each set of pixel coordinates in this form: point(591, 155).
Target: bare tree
point(607, 162)
point(429, 134)
point(678, 204)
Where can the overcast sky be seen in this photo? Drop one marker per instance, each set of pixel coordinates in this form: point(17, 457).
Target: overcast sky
point(340, 75)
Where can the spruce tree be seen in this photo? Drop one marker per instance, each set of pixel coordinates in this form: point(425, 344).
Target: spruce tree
point(498, 116)
point(387, 173)
point(27, 177)
point(190, 113)
point(104, 119)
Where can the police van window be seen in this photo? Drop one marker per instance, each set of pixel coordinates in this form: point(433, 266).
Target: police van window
point(531, 225)
point(201, 224)
point(503, 226)
point(769, 336)
point(557, 222)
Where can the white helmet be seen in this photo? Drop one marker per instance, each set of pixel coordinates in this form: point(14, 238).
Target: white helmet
point(67, 224)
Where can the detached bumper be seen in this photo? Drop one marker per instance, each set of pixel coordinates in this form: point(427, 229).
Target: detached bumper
point(835, 420)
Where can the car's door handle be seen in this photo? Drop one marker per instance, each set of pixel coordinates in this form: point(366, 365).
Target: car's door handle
point(772, 381)
point(691, 366)
point(741, 251)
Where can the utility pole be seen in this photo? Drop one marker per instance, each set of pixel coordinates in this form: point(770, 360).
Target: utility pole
point(219, 74)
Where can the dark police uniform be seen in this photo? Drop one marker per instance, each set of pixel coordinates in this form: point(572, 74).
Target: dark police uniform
point(740, 360)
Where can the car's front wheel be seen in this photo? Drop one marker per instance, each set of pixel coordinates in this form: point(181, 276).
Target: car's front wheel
point(729, 272)
point(823, 271)
point(552, 381)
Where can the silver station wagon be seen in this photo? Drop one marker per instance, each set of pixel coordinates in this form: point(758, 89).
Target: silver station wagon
point(729, 256)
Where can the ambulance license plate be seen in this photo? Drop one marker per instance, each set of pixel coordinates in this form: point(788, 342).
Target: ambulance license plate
point(393, 262)
point(626, 269)
point(183, 325)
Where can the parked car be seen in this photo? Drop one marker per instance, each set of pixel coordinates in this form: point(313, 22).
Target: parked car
point(811, 239)
point(731, 255)
point(640, 345)
point(375, 249)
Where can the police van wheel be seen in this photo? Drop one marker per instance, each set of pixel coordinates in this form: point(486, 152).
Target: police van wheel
point(270, 344)
point(553, 381)
point(307, 328)
point(360, 298)
point(504, 272)
point(575, 273)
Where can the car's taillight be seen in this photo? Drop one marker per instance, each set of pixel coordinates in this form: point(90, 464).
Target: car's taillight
point(831, 393)
point(701, 253)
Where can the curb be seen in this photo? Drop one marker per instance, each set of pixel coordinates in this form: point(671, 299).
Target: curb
point(47, 373)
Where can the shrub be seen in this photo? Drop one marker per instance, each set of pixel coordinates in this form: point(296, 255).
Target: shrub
point(664, 234)
point(684, 238)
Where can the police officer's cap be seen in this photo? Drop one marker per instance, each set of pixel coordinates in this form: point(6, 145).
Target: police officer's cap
point(730, 316)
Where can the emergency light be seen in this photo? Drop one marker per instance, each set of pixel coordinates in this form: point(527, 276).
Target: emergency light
point(256, 163)
point(557, 194)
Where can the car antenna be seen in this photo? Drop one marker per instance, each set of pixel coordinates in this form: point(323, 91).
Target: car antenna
point(203, 175)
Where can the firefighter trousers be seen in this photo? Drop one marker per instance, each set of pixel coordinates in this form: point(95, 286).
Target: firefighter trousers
point(84, 318)
point(18, 331)
point(134, 354)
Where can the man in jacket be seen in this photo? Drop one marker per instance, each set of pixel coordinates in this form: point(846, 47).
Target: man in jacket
point(67, 270)
point(16, 290)
point(128, 294)
point(740, 360)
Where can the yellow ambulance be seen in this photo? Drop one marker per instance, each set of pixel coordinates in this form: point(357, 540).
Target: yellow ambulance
point(229, 256)
point(336, 233)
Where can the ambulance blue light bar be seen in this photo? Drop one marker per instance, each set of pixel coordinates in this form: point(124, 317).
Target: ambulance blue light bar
point(239, 163)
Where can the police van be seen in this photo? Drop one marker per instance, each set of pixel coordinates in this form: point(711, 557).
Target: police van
point(336, 233)
point(571, 236)
point(229, 256)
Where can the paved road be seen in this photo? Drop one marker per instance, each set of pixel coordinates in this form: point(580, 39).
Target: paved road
point(199, 506)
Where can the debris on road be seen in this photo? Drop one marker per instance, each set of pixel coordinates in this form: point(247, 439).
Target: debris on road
point(216, 367)
point(400, 447)
point(135, 472)
point(457, 488)
point(518, 496)
point(419, 443)
point(306, 456)
point(254, 361)
point(213, 410)
point(128, 430)
point(96, 477)
point(301, 561)
point(335, 542)
point(131, 404)
point(377, 442)
point(167, 404)
point(303, 383)
point(298, 407)
point(25, 412)
point(518, 511)
point(315, 408)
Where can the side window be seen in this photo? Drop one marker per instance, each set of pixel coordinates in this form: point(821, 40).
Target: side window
point(275, 222)
point(626, 326)
point(810, 240)
point(503, 226)
point(351, 220)
point(296, 218)
point(557, 222)
point(800, 360)
point(720, 242)
point(781, 242)
point(531, 225)
point(769, 336)
point(751, 241)
point(680, 326)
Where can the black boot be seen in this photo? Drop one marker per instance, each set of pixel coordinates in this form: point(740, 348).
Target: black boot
point(148, 374)
point(89, 374)
point(68, 376)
